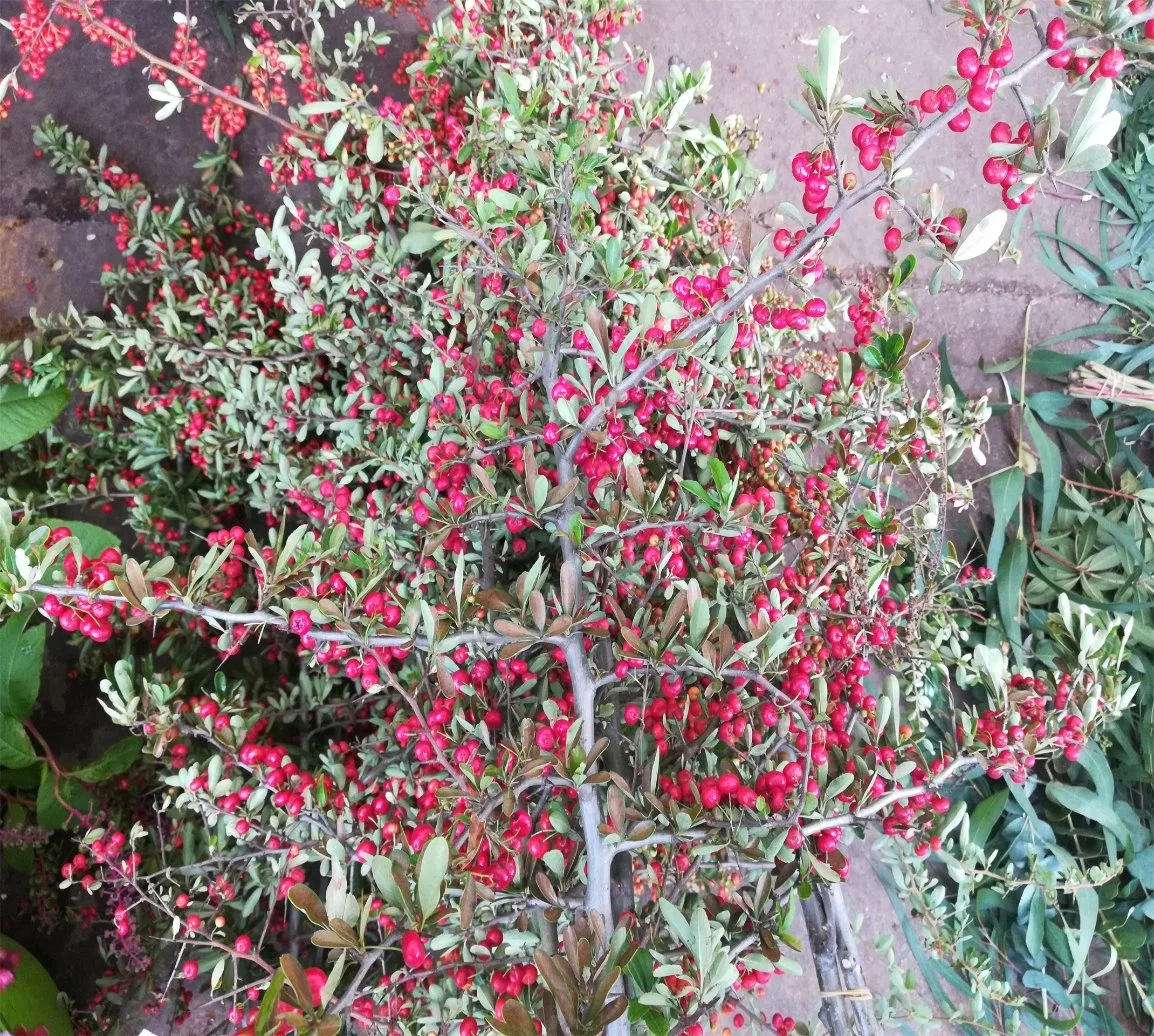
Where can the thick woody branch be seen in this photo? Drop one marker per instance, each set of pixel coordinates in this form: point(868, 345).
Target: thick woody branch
point(220, 618)
point(845, 997)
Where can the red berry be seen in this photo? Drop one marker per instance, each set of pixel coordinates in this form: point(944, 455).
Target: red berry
point(881, 207)
point(1003, 55)
point(968, 63)
point(1112, 62)
point(979, 99)
point(892, 239)
point(1056, 34)
point(190, 969)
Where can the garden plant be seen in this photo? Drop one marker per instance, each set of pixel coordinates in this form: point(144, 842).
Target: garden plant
point(517, 567)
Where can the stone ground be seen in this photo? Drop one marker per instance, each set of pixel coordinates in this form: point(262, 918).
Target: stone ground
point(50, 252)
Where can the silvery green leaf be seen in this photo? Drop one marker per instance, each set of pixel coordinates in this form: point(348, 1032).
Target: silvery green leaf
point(828, 60)
point(981, 239)
point(1090, 111)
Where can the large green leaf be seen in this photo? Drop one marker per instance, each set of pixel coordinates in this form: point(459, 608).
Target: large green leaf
point(93, 539)
point(32, 1000)
point(116, 760)
point(1050, 461)
point(985, 816)
point(51, 813)
point(15, 749)
point(1006, 494)
point(22, 415)
point(431, 870)
point(21, 657)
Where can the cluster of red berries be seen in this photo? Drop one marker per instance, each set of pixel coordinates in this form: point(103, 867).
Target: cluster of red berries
point(1037, 717)
point(88, 617)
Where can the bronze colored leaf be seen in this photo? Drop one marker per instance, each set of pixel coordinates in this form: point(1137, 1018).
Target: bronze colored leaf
point(560, 626)
point(135, 577)
point(599, 746)
point(495, 600)
point(482, 476)
point(645, 829)
point(514, 649)
point(613, 1010)
point(634, 641)
point(445, 682)
point(569, 585)
point(329, 1025)
point(677, 608)
point(597, 324)
point(126, 591)
point(616, 803)
point(506, 628)
point(295, 974)
point(546, 887)
point(342, 929)
point(635, 482)
point(537, 609)
point(517, 1021)
point(330, 940)
point(309, 904)
point(561, 983)
point(602, 988)
point(560, 493)
point(468, 901)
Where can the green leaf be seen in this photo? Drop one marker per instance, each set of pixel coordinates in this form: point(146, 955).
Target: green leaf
point(1011, 574)
point(1087, 900)
point(23, 416)
point(32, 1000)
point(15, 748)
point(828, 61)
point(903, 272)
point(93, 539)
point(51, 813)
point(19, 858)
point(640, 970)
point(985, 816)
point(375, 144)
point(1006, 495)
point(423, 237)
point(1088, 804)
point(872, 357)
point(21, 658)
point(1091, 110)
point(335, 135)
point(266, 1017)
point(507, 85)
point(1142, 867)
point(654, 1020)
point(946, 377)
point(432, 867)
point(981, 239)
point(1036, 925)
point(1050, 460)
point(117, 759)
